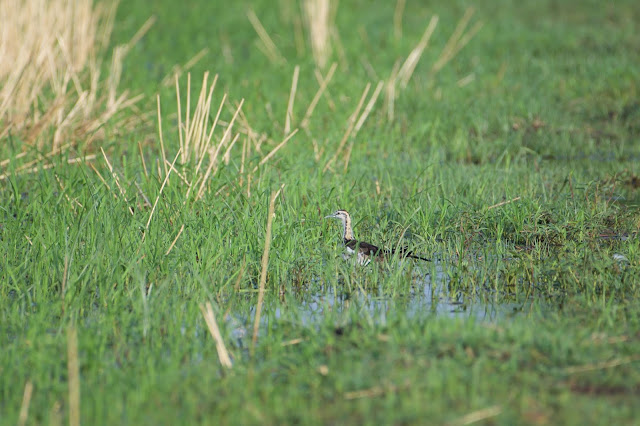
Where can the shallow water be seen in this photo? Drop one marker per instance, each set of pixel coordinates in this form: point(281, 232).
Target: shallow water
point(428, 295)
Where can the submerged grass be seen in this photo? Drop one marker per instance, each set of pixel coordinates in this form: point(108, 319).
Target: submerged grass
point(131, 284)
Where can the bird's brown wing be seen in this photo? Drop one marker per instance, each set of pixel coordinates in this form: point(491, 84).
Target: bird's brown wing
point(371, 250)
point(364, 247)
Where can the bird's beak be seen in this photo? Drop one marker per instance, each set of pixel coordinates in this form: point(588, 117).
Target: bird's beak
point(330, 216)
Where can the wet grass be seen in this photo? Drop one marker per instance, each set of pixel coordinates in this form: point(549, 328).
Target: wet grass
point(515, 166)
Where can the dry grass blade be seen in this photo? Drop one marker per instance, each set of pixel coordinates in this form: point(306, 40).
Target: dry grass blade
point(390, 92)
point(139, 34)
point(368, 108)
point(175, 240)
point(466, 80)
point(477, 416)
point(123, 192)
point(103, 181)
point(319, 22)
point(7, 161)
point(376, 391)
point(73, 371)
point(26, 401)
point(409, 66)
point(227, 153)
point(361, 120)
point(323, 86)
point(293, 342)
point(213, 126)
point(209, 317)
point(292, 96)
point(276, 149)
point(227, 132)
point(212, 170)
point(503, 203)
point(73, 202)
point(600, 338)
point(180, 175)
point(195, 135)
point(457, 40)
point(153, 209)
point(177, 70)
point(254, 136)
point(270, 49)
point(114, 175)
point(351, 123)
point(146, 202)
point(144, 164)
point(264, 266)
point(162, 151)
point(213, 160)
point(397, 18)
point(601, 365)
point(321, 81)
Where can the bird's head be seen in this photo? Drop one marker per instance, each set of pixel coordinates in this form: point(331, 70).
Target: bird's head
point(339, 214)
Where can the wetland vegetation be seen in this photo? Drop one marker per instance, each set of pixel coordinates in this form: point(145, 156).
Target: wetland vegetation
point(165, 254)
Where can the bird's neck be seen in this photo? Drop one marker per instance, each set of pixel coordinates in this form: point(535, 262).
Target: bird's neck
point(347, 232)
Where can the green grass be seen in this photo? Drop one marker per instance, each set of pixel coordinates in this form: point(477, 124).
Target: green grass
point(549, 125)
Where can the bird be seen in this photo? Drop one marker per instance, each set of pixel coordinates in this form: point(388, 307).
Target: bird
point(365, 251)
